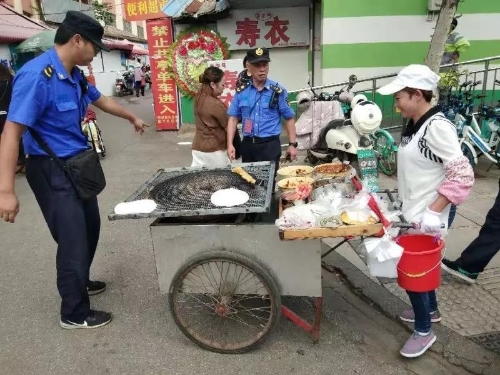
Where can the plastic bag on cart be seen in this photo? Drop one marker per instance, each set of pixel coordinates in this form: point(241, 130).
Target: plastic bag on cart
point(360, 208)
point(309, 215)
point(383, 255)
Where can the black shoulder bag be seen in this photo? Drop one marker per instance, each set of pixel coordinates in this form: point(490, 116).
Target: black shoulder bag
point(84, 170)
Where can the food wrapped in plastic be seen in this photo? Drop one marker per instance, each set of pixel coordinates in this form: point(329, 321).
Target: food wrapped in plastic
point(309, 215)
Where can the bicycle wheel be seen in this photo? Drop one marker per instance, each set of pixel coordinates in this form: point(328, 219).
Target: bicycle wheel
point(384, 148)
point(225, 302)
point(469, 154)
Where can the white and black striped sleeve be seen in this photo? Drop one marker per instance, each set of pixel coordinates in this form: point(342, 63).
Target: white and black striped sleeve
point(439, 142)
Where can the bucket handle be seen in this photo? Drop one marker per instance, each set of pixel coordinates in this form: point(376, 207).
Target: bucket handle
point(417, 275)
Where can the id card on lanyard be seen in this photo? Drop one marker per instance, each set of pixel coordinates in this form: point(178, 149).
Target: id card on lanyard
point(248, 125)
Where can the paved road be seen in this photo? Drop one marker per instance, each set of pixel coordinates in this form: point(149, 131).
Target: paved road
point(356, 338)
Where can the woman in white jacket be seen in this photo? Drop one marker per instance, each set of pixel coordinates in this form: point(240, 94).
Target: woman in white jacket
point(432, 174)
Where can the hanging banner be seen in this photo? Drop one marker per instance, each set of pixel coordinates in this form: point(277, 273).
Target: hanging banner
point(165, 94)
point(140, 10)
point(231, 70)
point(271, 28)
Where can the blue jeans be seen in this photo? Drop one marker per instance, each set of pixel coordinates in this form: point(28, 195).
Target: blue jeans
point(451, 216)
point(423, 304)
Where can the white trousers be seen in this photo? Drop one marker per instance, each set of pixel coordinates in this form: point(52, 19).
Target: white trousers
point(210, 159)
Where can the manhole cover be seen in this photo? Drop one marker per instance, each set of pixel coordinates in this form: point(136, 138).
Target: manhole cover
point(490, 341)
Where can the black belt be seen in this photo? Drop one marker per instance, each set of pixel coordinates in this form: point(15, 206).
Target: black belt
point(43, 157)
point(260, 139)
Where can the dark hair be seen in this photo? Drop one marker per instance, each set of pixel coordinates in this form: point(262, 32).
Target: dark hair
point(245, 61)
point(6, 78)
point(212, 74)
point(63, 35)
point(5, 73)
point(425, 93)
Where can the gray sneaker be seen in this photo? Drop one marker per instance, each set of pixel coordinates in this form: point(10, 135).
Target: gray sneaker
point(409, 316)
point(417, 345)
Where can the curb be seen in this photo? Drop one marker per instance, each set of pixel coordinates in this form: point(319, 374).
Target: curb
point(458, 350)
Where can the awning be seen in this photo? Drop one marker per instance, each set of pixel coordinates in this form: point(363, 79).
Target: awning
point(118, 45)
point(140, 51)
point(15, 27)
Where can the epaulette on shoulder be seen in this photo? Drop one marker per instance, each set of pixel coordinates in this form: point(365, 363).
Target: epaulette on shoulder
point(243, 86)
point(48, 71)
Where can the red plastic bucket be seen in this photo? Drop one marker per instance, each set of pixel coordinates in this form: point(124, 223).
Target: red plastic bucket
point(419, 269)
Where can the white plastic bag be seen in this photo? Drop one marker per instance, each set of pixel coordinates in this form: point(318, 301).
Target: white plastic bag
point(383, 255)
point(311, 215)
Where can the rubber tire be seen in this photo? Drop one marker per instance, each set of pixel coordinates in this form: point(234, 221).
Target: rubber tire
point(383, 169)
point(465, 152)
point(310, 158)
point(260, 271)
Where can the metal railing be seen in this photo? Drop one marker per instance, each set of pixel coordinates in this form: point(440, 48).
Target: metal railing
point(392, 119)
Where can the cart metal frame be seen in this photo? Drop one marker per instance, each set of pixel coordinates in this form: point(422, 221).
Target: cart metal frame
point(294, 266)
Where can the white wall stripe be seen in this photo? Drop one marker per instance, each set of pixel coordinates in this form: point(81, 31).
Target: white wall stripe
point(352, 30)
point(331, 76)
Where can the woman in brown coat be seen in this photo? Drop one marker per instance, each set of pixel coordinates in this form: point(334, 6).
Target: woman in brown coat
point(209, 144)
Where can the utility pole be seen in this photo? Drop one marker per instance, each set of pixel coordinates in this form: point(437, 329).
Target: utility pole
point(438, 41)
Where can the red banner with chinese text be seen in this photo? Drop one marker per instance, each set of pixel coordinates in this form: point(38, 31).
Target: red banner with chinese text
point(165, 93)
point(140, 10)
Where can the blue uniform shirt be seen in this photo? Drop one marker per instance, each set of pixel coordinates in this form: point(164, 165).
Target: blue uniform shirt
point(254, 105)
point(54, 107)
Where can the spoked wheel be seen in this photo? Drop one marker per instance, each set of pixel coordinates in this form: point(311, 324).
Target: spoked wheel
point(468, 153)
point(225, 302)
point(385, 154)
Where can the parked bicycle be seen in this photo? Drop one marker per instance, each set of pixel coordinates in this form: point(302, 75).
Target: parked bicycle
point(476, 140)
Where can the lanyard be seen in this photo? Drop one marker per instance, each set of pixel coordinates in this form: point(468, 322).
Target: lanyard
point(257, 100)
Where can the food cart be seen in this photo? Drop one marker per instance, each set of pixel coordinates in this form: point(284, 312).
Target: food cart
point(226, 269)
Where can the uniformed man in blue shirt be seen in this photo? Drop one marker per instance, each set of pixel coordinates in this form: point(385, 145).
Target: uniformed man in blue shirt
point(261, 104)
point(51, 96)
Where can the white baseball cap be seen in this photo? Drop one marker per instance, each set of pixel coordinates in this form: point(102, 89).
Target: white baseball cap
point(413, 76)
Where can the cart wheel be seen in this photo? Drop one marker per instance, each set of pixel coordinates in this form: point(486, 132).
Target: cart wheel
point(225, 302)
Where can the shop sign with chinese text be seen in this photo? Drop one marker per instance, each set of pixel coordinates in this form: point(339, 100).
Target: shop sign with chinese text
point(231, 69)
point(140, 10)
point(165, 94)
point(280, 27)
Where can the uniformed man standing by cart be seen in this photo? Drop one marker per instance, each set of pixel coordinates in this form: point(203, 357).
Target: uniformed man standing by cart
point(261, 104)
point(50, 98)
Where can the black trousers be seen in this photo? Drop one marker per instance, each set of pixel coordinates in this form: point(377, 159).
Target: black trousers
point(139, 88)
point(261, 151)
point(75, 226)
point(479, 253)
point(21, 158)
